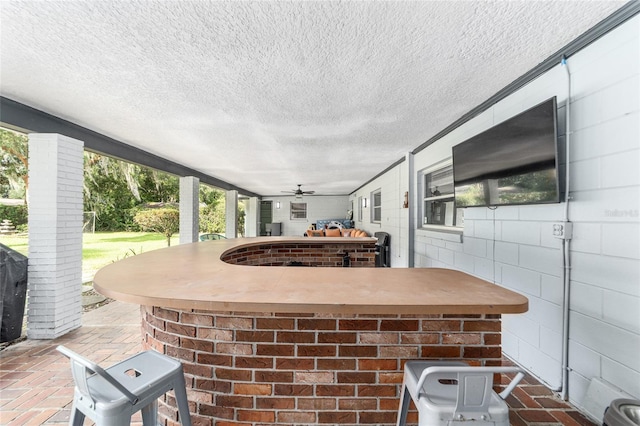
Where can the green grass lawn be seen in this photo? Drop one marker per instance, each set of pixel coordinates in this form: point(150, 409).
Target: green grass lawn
point(102, 248)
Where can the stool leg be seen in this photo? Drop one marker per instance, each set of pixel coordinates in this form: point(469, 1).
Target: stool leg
point(76, 418)
point(405, 398)
point(114, 421)
point(150, 414)
point(181, 400)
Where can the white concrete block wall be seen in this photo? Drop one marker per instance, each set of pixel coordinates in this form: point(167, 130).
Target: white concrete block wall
point(55, 235)
point(514, 246)
point(605, 285)
point(395, 218)
point(318, 208)
point(189, 209)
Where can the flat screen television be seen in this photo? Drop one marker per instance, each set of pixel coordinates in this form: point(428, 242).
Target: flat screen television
point(514, 162)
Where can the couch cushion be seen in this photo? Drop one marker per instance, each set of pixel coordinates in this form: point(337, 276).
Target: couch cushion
point(332, 232)
point(347, 232)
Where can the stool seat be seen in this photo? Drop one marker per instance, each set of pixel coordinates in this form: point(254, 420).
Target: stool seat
point(111, 396)
point(451, 392)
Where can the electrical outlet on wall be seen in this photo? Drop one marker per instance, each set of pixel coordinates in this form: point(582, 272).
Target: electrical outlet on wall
point(563, 230)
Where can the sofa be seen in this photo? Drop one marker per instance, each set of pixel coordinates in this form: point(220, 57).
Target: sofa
point(334, 223)
point(336, 232)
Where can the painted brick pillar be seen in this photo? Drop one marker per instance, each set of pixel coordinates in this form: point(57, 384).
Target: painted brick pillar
point(252, 214)
point(55, 235)
point(189, 209)
point(231, 214)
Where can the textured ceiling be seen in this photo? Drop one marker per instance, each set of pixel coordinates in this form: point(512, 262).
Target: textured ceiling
point(266, 95)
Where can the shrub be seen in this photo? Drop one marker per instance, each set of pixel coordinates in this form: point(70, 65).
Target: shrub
point(163, 220)
point(212, 219)
point(18, 215)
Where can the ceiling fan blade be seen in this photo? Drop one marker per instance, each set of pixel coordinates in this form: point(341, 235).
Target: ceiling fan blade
point(298, 192)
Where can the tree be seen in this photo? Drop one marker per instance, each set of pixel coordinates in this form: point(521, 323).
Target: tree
point(108, 193)
point(14, 164)
point(163, 220)
point(156, 186)
point(213, 214)
point(114, 189)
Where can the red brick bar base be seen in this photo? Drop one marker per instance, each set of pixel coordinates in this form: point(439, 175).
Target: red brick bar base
point(261, 368)
point(318, 252)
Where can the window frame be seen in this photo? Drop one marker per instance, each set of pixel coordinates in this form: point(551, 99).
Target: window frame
point(426, 196)
point(300, 210)
point(376, 208)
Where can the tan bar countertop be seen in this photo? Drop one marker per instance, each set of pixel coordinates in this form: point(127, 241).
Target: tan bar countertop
point(192, 276)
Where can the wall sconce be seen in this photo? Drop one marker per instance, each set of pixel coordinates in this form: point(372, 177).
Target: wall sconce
point(364, 202)
point(277, 204)
point(406, 200)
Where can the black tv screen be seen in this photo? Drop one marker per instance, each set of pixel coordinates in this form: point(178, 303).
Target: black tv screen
point(514, 162)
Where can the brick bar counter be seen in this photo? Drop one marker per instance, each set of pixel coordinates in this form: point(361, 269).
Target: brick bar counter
point(302, 345)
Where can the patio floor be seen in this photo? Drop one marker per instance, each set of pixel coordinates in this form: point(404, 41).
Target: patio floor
point(36, 386)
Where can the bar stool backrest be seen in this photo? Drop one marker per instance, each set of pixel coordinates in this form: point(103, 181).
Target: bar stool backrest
point(472, 386)
point(474, 394)
point(82, 369)
point(451, 392)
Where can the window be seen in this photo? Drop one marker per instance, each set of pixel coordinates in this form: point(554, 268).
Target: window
point(298, 211)
point(360, 208)
point(439, 203)
point(376, 206)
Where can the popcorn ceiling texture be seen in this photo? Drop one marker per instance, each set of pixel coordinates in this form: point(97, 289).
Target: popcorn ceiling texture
point(266, 95)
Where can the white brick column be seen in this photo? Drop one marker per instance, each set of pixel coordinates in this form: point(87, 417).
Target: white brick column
point(231, 214)
point(55, 235)
point(189, 209)
point(252, 214)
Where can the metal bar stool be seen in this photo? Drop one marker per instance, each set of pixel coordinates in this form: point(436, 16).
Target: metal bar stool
point(111, 396)
point(450, 392)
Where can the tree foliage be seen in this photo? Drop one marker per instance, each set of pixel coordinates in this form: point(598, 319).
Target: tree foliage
point(213, 213)
point(115, 190)
point(163, 220)
point(107, 193)
point(14, 164)
point(156, 186)
point(16, 214)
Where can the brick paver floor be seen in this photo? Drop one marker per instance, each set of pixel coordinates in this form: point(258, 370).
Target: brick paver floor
point(36, 385)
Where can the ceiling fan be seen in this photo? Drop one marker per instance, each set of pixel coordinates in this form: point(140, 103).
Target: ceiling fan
point(299, 192)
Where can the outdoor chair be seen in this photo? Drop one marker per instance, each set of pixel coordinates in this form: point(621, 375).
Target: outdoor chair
point(452, 392)
point(111, 396)
point(207, 237)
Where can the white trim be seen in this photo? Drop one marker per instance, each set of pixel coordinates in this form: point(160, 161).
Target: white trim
point(447, 233)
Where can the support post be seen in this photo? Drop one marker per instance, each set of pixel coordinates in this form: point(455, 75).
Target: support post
point(56, 174)
point(251, 218)
point(231, 214)
point(413, 210)
point(189, 209)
